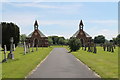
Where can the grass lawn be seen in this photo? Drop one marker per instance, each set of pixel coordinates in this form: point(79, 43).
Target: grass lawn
point(104, 63)
point(23, 64)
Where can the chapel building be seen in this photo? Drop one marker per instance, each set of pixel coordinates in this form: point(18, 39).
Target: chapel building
point(84, 37)
point(37, 38)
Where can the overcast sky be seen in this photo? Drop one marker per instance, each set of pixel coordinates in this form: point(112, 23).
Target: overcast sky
point(62, 18)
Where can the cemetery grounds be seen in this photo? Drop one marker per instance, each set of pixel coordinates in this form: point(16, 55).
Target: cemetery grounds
point(103, 63)
point(22, 65)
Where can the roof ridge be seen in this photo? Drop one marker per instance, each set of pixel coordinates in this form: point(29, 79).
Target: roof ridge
point(87, 35)
point(41, 34)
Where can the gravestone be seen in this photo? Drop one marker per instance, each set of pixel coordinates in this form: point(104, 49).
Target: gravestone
point(107, 47)
point(24, 44)
point(33, 47)
point(5, 58)
point(11, 55)
point(85, 48)
point(112, 48)
point(104, 47)
point(29, 47)
point(94, 49)
point(13, 47)
point(88, 48)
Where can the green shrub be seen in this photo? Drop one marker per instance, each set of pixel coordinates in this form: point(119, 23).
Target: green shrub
point(74, 44)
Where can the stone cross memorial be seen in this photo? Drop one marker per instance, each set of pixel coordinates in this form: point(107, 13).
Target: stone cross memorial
point(11, 55)
point(5, 59)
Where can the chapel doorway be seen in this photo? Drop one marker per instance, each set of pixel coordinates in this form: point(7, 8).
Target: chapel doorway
point(35, 42)
point(82, 42)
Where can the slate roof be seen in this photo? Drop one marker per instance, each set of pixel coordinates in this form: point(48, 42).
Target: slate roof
point(41, 34)
point(75, 35)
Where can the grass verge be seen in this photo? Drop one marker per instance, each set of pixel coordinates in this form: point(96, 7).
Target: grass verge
point(23, 64)
point(103, 63)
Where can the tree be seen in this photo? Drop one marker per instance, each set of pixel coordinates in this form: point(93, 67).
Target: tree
point(66, 41)
point(55, 39)
point(111, 41)
point(118, 40)
point(61, 41)
point(9, 30)
point(115, 40)
point(74, 44)
point(50, 41)
point(22, 38)
point(99, 39)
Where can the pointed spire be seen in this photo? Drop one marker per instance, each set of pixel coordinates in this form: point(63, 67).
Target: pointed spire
point(35, 25)
point(81, 25)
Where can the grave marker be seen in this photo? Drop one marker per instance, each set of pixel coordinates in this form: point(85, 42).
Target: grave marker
point(5, 58)
point(33, 47)
point(24, 48)
point(13, 47)
point(11, 55)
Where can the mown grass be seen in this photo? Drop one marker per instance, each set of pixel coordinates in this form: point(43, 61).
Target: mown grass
point(103, 63)
point(23, 64)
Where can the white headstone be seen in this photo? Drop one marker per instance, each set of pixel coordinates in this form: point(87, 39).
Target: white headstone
point(24, 48)
point(5, 49)
point(29, 47)
point(13, 47)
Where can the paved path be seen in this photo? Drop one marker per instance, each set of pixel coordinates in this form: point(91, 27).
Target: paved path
point(61, 64)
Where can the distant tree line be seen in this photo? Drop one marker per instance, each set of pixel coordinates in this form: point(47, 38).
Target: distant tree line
point(22, 38)
point(55, 40)
point(100, 39)
point(116, 40)
point(9, 30)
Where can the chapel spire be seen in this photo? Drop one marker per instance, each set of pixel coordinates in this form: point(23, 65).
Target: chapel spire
point(36, 25)
point(81, 25)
